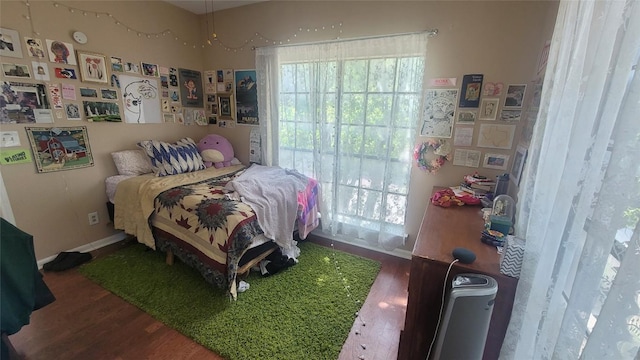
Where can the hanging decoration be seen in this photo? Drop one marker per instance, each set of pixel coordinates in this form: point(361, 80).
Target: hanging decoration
point(258, 39)
point(442, 150)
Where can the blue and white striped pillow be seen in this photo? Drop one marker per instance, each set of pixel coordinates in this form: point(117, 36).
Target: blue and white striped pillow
point(172, 159)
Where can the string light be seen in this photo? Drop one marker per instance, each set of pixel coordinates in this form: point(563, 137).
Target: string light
point(211, 39)
point(335, 29)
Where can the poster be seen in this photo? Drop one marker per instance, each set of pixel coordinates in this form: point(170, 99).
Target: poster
point(246, 97)
point(141, 100)
point(471, 87)
point(439, 112)
point(191, 88)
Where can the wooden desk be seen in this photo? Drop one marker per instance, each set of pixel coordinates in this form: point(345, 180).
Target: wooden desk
point(442, 230)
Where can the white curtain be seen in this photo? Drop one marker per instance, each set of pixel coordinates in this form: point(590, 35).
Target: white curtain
point(579, 291)
point(345, 113)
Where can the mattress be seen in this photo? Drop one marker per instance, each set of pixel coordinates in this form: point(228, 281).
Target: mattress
point(111, 184)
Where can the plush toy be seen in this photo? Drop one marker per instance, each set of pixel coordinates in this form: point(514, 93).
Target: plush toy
point(215, 151)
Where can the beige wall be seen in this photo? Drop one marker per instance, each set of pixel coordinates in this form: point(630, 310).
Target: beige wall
point(53, 207)
point(501, 40)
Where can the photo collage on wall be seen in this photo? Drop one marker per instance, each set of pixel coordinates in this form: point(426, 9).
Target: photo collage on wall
point(91, 86)
point(232, 97)
point(473, 116)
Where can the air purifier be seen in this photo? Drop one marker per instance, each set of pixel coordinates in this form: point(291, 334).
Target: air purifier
point(465, 322)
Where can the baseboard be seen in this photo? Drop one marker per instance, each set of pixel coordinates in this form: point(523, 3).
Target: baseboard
point(89, 247)
point(363, 244)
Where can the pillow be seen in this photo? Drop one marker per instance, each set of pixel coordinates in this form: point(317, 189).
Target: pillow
point(132, 162)
point(172, 159)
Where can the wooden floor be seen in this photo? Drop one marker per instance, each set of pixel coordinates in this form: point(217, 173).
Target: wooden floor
point(88, 322)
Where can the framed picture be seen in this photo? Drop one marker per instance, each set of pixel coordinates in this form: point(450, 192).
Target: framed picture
point(109, 94)
point(88, 92)
point(515, 95)
point(489, 109)
point(10, 43)
point(131, 68)
point(510, 115)
point(100, 111)
point(60, 148)
point(169, 118)
point(93, 67)
point(226, 107)
point(495, 161)
point(16, 70)
point(191, 88)
point(467, 116)
point(518, 163)
point(61, 52)
point(116, 64)
point(149, 69)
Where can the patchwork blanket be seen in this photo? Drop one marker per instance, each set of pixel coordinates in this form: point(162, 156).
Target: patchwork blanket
point(193, 215)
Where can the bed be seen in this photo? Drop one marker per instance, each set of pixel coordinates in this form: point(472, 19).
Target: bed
point(206, 217)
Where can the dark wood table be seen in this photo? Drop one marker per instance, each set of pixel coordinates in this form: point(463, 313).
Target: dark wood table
point(442, 230)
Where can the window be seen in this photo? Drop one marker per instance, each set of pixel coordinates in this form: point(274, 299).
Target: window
point(348, 118)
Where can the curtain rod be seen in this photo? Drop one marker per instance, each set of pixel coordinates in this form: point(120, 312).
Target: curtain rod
point(430, 33)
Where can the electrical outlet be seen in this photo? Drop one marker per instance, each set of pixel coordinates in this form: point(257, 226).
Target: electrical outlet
point(93, 218)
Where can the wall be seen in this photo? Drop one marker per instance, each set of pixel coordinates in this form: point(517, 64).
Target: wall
point(53, 207)
point(500, 39)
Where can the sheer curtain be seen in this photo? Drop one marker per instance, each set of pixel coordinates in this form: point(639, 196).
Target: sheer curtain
point(579, 291)
point(345, 113)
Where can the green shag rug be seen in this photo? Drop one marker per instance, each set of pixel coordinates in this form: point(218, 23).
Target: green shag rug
point(303, 312)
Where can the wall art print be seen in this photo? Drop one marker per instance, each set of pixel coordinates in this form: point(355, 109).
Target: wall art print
point(439, 112)
point(93, 67)
point(24, 103)
point(10, 43)
point(60, 148)
point(246, 97)
point(471, 87)
point(191, 91)
point(61, 52)
point(515, 95)
point(99, 111)
point(141, 100)
point(34, 47)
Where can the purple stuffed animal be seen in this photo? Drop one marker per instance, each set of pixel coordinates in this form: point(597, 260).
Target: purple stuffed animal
point(215, 150)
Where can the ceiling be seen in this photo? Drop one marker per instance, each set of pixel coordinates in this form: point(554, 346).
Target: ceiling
point(200, 7)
